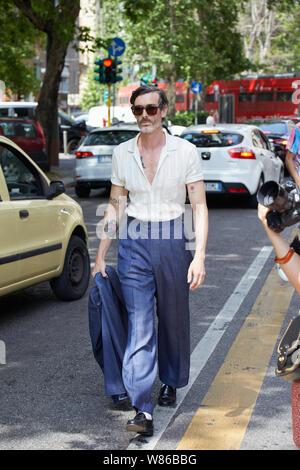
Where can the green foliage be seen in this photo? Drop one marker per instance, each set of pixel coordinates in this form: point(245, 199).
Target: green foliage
point(271, 34)
point(285, 45)
point(18, 38)
point(58, 15)
point(197, 37)
point(187, 118)
point(283, 5)
point(93, 92)
point(189, 39)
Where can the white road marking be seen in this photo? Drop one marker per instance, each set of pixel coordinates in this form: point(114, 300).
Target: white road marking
point(204, 349)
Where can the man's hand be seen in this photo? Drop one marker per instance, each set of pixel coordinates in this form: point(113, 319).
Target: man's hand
point(99, 268)
point(196, 273)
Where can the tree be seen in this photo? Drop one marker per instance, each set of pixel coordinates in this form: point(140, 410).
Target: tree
point(257, 26)
point(270, 32)
point(190, 39)
point(285, 46)
point(93, 93)
point(57, 19)
point(18, 38)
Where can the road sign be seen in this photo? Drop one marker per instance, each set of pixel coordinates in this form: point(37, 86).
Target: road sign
point(196, 87)
point(117, 47)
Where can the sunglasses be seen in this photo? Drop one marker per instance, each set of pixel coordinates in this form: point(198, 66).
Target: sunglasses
point(151, 109)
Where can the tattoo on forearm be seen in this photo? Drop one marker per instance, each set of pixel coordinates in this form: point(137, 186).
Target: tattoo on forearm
point(110, 227)
point(114, 201)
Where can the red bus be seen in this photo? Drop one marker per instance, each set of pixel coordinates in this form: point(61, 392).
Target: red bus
point(184, 96)
point(264, 97)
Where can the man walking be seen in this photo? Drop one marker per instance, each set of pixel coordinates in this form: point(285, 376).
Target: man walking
point(154, 170)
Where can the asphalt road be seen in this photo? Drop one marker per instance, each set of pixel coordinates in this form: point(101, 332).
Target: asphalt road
point(52, 391)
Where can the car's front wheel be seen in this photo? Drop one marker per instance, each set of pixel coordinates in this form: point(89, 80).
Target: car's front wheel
point(74, 279)
point(82, 190)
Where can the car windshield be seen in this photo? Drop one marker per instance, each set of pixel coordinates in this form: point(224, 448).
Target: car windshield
point(17, 111)
point(18, 129)
point(213, 139)
point(109, 137)
point(279, 128)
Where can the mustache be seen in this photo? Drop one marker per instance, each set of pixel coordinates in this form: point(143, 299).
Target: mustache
point(145, 120)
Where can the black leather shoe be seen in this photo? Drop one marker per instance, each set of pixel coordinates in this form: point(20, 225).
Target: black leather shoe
point(167, 396)
point(140, 425)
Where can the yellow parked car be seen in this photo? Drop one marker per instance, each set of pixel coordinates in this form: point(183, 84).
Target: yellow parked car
point(42, 231)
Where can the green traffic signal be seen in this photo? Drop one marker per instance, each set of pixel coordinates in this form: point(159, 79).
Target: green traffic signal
point(149, 80)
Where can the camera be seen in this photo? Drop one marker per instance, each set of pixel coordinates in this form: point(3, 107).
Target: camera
point(284, 202)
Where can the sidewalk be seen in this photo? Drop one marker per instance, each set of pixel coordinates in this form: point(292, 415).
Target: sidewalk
point(65, 171)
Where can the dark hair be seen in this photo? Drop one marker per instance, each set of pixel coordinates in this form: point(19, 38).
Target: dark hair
point(144, 89)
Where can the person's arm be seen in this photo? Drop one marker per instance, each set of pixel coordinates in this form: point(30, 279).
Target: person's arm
point(196, 272)
point(281, 247)
point(289, 160)
point(111, 220)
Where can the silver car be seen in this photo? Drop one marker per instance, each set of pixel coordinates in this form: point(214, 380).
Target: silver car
point(94, 157)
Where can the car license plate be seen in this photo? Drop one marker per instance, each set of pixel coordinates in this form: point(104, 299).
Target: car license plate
point(103, 158)
point(213, 186)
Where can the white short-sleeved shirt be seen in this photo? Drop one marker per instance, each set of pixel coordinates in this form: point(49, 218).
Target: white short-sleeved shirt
point(164, 199)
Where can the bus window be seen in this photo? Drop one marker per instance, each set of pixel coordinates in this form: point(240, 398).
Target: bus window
point(265, 96)
point(284, 95)
point(243, 97)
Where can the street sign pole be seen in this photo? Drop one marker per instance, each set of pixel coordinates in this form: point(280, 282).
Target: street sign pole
point(109, 103)
point(196, 88)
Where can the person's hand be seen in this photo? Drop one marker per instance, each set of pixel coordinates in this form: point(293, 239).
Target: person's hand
point(100, 268)
point(262, 212)
point(196, 273)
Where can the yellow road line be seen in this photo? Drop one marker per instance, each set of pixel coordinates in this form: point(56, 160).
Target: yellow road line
point(222, 419)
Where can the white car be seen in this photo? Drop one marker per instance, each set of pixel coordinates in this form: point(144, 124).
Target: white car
point(176, 130)
point(236, 159)
point(94, 157)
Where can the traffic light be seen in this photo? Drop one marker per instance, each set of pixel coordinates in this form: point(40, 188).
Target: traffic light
point(108, 70)
point(149, 80)
point(116, 71)
point(105, 95)
point(99, 71)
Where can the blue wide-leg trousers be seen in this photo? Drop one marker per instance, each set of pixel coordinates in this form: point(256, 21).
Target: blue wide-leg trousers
point(153, 263)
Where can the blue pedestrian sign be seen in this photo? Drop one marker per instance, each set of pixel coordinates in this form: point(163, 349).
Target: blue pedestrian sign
point(196, 87)
point(117, 47)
